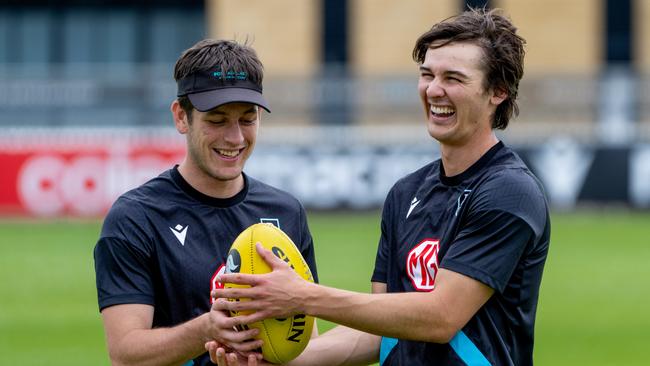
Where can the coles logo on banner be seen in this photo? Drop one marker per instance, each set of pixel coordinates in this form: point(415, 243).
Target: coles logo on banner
point(422, 264)
point(49, 179)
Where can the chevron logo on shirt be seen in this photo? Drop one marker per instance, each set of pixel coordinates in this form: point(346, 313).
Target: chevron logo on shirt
point(180, 232)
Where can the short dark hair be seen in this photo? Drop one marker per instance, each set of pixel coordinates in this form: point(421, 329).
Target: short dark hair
point(217, 55)
point(503, 50)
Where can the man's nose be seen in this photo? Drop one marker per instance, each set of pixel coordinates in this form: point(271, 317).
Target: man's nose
point(233, 134)
point(434, 89)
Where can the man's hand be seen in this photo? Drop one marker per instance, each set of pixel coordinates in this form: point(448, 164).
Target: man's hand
point(220, 356)
point(222, 329)
point(277, 294)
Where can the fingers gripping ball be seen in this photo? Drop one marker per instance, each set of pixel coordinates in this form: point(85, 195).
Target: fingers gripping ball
point(284, 339)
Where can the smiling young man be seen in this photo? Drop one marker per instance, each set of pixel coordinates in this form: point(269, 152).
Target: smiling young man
point(163, 243)
point(463, 240)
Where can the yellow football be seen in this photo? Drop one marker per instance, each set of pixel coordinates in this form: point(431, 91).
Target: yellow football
point(284, 339)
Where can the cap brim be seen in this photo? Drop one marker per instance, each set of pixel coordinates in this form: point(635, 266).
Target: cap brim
point(205, 101)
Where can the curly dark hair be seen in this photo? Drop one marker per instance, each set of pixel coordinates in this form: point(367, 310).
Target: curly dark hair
point(503, 50)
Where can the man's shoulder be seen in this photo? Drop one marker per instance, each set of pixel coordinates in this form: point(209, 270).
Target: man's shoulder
point(409, 183)
point(129, 208)
point(509, 186)
point(508, 173)
point(260, 191)
point(151, 189)
point(507, 158)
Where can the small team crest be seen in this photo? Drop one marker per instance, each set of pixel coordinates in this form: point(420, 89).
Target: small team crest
point(422, 264)
point(233, 263)
point(214, 284)
point(267, 220)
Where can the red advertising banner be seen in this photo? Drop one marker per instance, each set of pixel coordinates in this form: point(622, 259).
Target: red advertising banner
point(79, 174)
point(49, 173)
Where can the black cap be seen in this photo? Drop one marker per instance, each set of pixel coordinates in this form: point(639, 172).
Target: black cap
point(210, 89)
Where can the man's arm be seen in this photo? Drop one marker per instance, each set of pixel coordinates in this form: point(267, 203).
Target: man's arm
point(430, 316)
point(342, 345)
point(337, 347)
point(132, 341)
point(434, 316)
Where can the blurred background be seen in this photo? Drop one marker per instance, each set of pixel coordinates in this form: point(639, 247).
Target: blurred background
point(85, 89)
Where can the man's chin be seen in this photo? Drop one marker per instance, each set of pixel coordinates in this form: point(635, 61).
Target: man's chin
point(437, 134)
point(442, 133)
point(227, 176)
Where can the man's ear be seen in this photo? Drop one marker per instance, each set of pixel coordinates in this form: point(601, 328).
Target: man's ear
point(181, 119)
point(498, 96)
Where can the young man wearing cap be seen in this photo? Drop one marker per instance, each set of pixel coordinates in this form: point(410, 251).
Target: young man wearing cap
point(163, 243)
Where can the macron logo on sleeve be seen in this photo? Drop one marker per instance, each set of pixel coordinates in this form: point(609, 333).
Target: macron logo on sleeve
point(180, 232)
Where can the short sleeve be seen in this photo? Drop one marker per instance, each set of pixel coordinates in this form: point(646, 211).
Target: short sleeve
point(122, 274)
point(307, 244)
point(123, 257)
point(383, 258)
point(489, 248)
point(506, 216)
point(380, 274)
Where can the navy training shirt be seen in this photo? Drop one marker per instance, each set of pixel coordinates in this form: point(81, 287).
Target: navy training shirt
point(163, 243)
point(490, 223)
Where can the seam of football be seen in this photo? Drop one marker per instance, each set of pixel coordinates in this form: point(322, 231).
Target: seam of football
point(266, 330)
point(268, 336)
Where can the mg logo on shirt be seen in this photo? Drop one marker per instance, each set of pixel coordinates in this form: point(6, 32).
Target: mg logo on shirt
point(422, 264)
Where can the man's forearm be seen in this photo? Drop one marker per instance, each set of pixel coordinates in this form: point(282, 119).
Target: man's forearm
point(352, 346)
point(405, 315)
point(434, 316)
point(160, 346)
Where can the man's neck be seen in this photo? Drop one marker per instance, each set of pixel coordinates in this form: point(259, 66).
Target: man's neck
point(208, 185)
point(458, 158)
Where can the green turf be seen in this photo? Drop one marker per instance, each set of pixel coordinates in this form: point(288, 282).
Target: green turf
point(48, 312)
point(592, 308)
point(596, 291)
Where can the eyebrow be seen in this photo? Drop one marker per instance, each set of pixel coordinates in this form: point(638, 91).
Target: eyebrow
point(456, 73)
point(448, 72)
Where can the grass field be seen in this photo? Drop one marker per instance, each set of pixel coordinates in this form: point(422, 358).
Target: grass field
point(593, 306)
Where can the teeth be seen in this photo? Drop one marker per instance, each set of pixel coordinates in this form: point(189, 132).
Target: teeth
point(441, 110)
point(228, 153)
